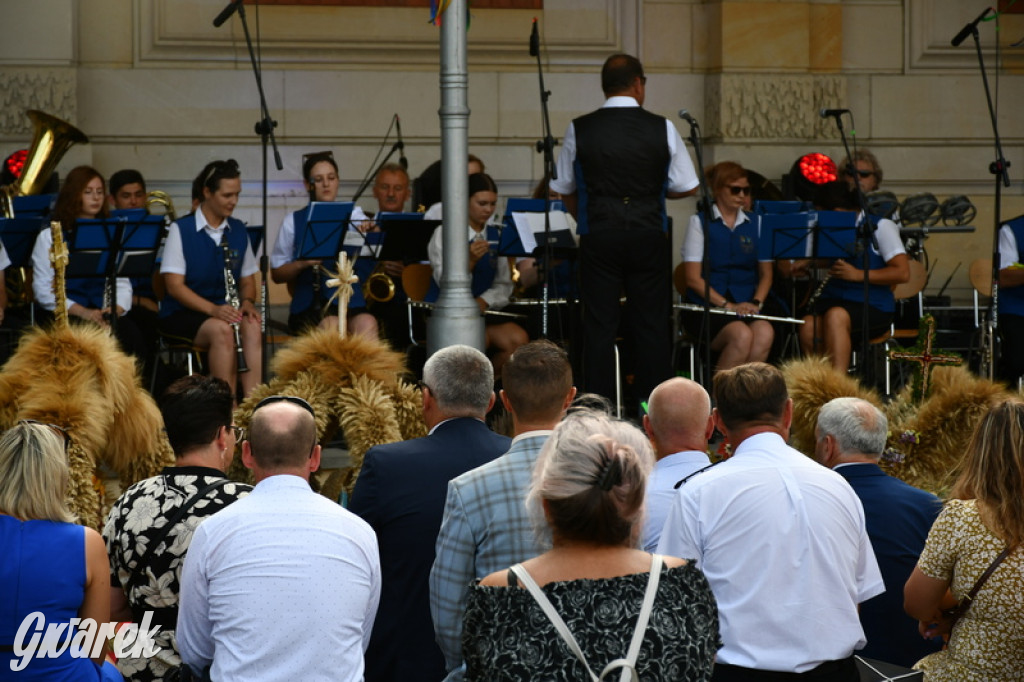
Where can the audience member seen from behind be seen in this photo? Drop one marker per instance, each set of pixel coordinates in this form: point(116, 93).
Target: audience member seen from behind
point(739, 281)
point(589, 483)
point(983, 517)
point(849, 439)
point(145, 548)
point(50, 564)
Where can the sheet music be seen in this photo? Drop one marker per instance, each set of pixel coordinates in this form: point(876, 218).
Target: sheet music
point(356, 239)
point(528, 225)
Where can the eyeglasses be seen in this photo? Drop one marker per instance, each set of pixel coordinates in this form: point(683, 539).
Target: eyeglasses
point(739, 189)
point(59, 429)
point(293, 399)
point(238, 431)
point(866, 174)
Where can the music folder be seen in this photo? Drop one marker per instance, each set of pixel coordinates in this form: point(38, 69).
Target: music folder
point(124, 245)
point(19, 236)
point(325, 233)
point(523, 229)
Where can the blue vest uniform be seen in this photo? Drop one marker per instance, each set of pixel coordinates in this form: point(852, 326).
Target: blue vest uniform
point(1011, 299)
point(483, 272)
point(302, 292)
point(879, 295)
point(733, 256)
point(204, 271)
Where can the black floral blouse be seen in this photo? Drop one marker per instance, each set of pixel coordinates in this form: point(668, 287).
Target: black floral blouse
point(508, 637)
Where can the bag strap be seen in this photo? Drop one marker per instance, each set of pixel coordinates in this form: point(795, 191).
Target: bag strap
point(166, 529)
point(627, 664)
point(966, 601)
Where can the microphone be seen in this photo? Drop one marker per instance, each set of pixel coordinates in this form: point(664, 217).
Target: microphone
point(969, 28)
point(534, 40)
point(226, 13)
point(825, 113)
point(401, 144)
point(685, 115)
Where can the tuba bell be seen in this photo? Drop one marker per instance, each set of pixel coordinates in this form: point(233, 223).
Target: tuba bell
point(379, 286)
point(51, 138)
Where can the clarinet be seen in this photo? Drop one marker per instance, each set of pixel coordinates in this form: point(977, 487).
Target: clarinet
point(231, 292)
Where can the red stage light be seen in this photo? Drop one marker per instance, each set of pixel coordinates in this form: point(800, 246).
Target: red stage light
point(818, 168)
point(15, 163)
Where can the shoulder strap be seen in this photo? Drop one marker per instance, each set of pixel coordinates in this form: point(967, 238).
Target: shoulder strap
point(549, 611)
point(984, 577)
point(698, 471)
point(171, 523)
point(628, 664)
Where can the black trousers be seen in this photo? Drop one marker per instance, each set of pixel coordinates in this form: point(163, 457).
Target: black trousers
point(639, 264)
point(844, 670)
point(1011, 333)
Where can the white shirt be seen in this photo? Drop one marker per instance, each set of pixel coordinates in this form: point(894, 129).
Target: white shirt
point(501, 288)
point(42, 278)
point(174, 258)
point(1008, 253)
point(681, 175)
point(782, 542)
point(284, 246)
point(890, 244)
point(661, 490)
point(282, 585)
point(692, 250)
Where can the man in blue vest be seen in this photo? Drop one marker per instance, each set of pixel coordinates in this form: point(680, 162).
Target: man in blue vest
point(618, 165)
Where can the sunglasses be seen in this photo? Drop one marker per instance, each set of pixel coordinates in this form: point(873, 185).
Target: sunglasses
point(293, 399)
point(59, 429)
point(737, 190)
point(866, 174)
point(238, 431)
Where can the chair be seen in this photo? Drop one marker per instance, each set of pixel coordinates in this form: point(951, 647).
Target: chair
point(178, 352)
point(416, 279)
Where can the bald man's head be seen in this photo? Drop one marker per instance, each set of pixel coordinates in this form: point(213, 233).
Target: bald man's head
point(678, 414)
point(282, 435)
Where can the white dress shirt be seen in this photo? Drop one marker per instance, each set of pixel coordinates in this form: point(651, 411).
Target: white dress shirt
point(661, 490)
point(281, 585)
point(42, 278)
point(782, 542)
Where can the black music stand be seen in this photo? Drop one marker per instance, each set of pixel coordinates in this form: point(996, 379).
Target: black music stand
point(326, 224)
point(109, 248)
point(511, 243)
point(405, 237)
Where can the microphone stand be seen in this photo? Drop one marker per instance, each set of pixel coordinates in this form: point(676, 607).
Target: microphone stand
point(265, 129)
point(998, 169)
point(705, 265)
point(546, 147)
point(396, 147)
point(865, 240)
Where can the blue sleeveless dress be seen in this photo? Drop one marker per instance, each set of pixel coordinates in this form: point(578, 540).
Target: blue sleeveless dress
point(42, 569)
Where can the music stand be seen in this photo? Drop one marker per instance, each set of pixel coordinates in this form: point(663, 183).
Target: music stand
point(19, 236)
point(255, 233)
point(33, 205)
point(109, 248)
point(523, 230)
point(405, 236)
point(326, 223)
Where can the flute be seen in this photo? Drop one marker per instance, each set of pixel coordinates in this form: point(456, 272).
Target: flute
point(723, 311)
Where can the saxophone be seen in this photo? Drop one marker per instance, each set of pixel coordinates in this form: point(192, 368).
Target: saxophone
point(231, 292)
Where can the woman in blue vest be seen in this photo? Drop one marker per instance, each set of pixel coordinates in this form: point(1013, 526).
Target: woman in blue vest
point(83, 196)
point(193, 267)
point(492, 280)
point(837, 315)
point(310, 295)
point(739, 281)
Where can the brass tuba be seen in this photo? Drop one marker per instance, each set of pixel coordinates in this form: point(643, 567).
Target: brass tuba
point(158, 198)
point(51, 138)
point(379, 287)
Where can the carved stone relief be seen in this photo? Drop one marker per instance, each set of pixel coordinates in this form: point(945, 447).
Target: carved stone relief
point(49, 89)
point(760, 106)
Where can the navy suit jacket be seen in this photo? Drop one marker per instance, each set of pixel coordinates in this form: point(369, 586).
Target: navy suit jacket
point(898, 517)
point(401, 492)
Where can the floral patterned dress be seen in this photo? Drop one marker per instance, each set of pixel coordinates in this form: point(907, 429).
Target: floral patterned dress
point(507, 637)
point(150, 576)
point(987, 643)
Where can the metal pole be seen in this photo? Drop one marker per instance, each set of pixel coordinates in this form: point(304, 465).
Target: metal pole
point(456, 318)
